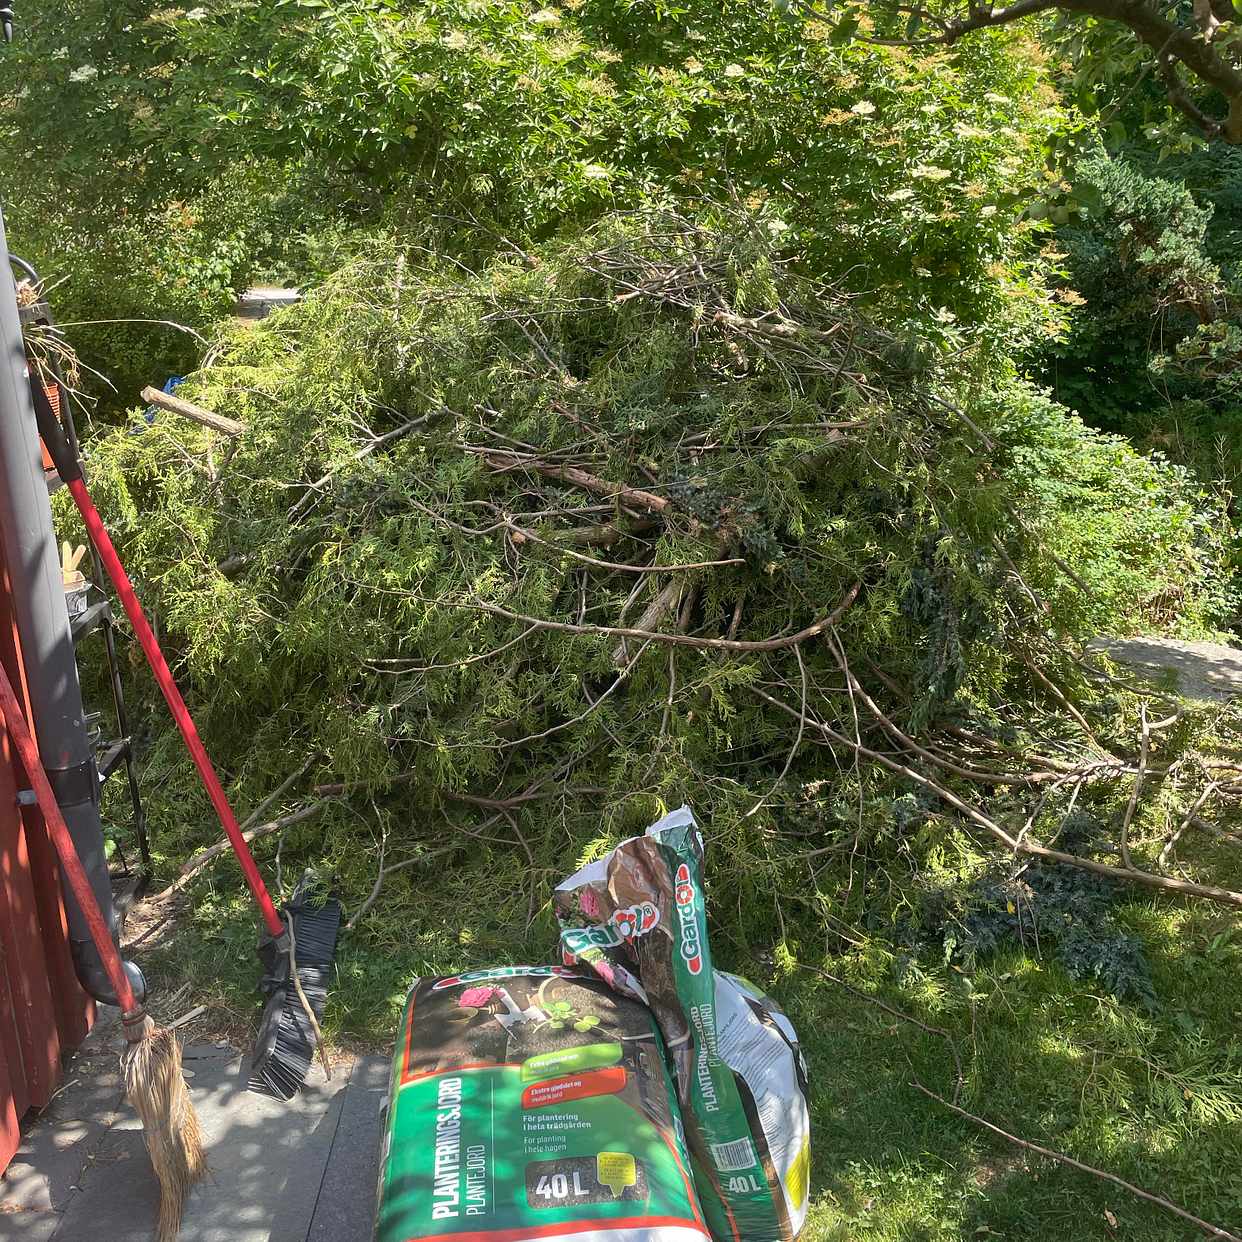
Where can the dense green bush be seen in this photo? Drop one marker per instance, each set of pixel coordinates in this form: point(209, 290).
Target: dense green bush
point(528, 116)
point(336, 595)
point(135, 287)
point(1154, 344)
point(221, 141)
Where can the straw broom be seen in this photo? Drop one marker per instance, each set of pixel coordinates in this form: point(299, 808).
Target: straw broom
point(151, 1063)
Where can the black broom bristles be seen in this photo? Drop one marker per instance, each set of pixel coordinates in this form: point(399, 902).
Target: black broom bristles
point(285, 1046)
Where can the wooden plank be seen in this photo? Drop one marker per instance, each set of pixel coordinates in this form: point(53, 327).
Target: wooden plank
point(29, 1030)
point(196, 413)
point(14, 1086)
point(73, 1010)
point(30, 1038)
point(12, 1095)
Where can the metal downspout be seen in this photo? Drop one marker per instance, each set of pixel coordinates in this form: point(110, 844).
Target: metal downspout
point(30, 551)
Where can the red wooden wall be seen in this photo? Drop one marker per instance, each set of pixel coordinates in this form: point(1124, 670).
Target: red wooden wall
point(43, 1011)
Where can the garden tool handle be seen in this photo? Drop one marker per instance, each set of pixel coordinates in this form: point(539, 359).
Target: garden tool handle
point(176, 704)
point(53, 436)
point(28, 752)
point(70, 469)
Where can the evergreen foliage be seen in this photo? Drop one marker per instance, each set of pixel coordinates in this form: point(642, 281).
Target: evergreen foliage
point(1043, 909)
point(369, 590)
point(1154, 343)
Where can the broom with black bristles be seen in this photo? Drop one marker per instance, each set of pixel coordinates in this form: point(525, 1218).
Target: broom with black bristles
point(152, 1059)
point(297, 950)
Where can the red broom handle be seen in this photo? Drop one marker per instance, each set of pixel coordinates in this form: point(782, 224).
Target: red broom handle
point(55, 821)
point(181, 714)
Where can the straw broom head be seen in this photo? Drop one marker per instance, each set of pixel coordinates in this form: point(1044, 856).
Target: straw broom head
point(155, 1087)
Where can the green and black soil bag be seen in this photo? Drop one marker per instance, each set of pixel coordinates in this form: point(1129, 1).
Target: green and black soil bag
point(532, 1103)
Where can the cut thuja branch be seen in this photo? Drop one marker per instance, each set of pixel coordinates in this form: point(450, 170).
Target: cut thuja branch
point(502, 808)
point(1099, 767)
point(1024, 845)
point(1021, 843)
point(677, 640)
point(524, 487)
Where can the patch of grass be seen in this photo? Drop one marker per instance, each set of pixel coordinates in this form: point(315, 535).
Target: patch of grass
point(1155, 1097)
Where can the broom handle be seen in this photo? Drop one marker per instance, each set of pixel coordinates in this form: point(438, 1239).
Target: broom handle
point(70, 470)
point(50, 810)
point(181, 714)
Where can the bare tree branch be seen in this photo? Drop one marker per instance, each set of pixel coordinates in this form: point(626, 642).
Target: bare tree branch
point(981, 17)
point(1213, 1231)
point(1034, 849)
point(676, 640)
point(1173, 45)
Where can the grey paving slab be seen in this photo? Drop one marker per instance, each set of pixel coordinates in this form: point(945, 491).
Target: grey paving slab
point(298, 1172)
point(57, 1147)
point(345, 1211)
point(1196, 670)
point(26, 1226)
point(266, 1158)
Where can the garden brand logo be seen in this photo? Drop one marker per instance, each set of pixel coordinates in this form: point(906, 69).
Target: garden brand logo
point(691, 945)
point(623, 927)
point(635, 921)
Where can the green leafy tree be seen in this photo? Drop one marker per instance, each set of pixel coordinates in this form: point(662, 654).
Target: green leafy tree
point(512, 118)
point(1194, 47)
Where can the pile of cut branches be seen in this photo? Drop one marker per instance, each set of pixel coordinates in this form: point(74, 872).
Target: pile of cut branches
point(519, 557)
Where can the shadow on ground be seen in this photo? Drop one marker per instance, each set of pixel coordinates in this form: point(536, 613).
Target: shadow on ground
point(298, 1172)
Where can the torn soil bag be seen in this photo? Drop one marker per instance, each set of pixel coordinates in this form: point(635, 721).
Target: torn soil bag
point(637, 918)
point(532, 1102)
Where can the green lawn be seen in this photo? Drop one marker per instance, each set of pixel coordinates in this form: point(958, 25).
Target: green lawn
point(1155, 1097)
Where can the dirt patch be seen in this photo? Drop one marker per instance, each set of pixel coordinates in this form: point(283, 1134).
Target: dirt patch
point(988, 1172)
point(154, 921)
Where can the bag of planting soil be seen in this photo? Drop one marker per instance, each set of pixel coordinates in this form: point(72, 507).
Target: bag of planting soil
point(532, 1102)
point(637, 918)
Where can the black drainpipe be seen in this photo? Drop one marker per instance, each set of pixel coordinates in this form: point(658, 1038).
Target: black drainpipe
point(51, 669)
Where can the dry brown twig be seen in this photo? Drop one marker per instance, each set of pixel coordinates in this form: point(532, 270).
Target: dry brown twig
point(797, 742)
point(385, 871)
point(1135, 789)
point(382, 441)
point(1213, 1231)
point(1030, 848)
point(520, 534)
point(677, 640)
point(203, 857)
point(634, 496)
point(1189, 818)
point(909, 743)
point(665, 601)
